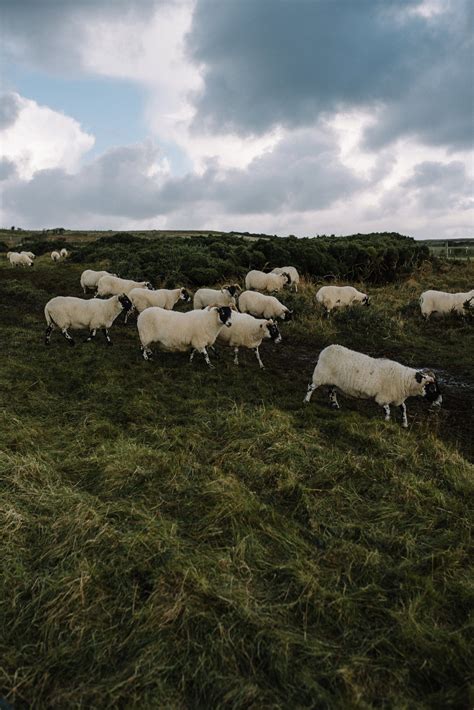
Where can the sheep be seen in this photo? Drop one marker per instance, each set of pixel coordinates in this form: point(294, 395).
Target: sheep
point(261, 306)
point(248, 332)
point(292, 273)
point(112, 285)
point(364, 377)
point(179, 332)
point(90, 278)
point(30, 254)
point(78, 313)
point(260, 281)
point(441, 303)
point(55, 256)
point(211, 297)
point(19, 259)
point(338, 296)
point(64, 253)
point(166, 298)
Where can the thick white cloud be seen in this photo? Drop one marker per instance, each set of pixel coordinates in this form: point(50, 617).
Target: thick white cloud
point(36, 137)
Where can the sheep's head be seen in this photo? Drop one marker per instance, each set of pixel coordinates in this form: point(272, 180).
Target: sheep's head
point(288, 315)
point(125, 302)
point(273, 331)
point(149, 286)
point(185, 295)
point(366, 300)
point(288, 277)
point(225, 315)
point(429, 387)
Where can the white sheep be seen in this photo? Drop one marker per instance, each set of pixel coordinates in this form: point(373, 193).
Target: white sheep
point(292, 273)
point(248, 332)
point(179, 332)
point(262, 306)
point(212, 297)
point(64, 253)
point(19, 259)
point(113, 285)
point(260, 281)
point(440, 303)
point(30, 254)
point(166, 298)
point(339, 296)
point(66, 312)
point(90, 278)
point(55, 256)
point(364, 377)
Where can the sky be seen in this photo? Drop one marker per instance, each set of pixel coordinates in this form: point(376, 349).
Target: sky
point(296, 117)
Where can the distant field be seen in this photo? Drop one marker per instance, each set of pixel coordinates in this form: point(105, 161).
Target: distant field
point(462, 249)
point(174, 537)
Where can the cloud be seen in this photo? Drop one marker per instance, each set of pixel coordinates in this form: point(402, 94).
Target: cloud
point(441, 186)
point(273, 63)
point(36, 137)
point(7, 169)
point(9, 109)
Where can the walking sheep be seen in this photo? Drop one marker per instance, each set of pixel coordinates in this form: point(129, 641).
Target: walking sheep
point(338, 296)
point(358, 375)
point(180, 332)
point(261, 306)
point(112, 285)
point(260, 281)
point(292, 273)
point(66, 312)
point(90, 279)
point(440, 303)
point(248, 332)
point(212, 297)
point(166, 298)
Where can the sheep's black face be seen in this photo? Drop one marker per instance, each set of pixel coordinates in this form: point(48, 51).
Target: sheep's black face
point(125, 301)
point(433, 393)
point(288, 277)
point(232, 290)
point(274, 332)
point(288, 315)
point(225, 315)
point(149, 286)
point(185, 295)
point(366, 301)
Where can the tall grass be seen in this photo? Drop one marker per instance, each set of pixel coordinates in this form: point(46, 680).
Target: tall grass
point(182, 538)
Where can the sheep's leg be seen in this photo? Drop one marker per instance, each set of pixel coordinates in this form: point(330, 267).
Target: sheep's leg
point(91, 335)
point(386, 409)
point(191, 357)
point(67, 336)
point(311, 388)
point(206, 358)
point(236, 356)
point(215, 352)
point(47, 337)
point(257, 353)
point(107, 336)
point(403, 407)
point(129, 313)
point(333, 398)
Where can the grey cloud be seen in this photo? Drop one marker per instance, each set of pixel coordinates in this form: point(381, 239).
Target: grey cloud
point(440, 186)
point(9, 109)
point(280, 62)
point(7, 169)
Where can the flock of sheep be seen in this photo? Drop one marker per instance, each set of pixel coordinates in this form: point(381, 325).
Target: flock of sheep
point(215, 319)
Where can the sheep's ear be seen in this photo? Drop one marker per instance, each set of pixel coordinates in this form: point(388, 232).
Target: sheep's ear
point(418, 377)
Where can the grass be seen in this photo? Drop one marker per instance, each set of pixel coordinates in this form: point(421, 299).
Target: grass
point(178, 538)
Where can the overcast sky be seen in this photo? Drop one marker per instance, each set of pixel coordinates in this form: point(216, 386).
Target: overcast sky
point(282, 116)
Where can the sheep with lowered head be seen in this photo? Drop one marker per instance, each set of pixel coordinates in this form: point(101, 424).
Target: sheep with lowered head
point(248, 332)
point(331, 297)
point(90, 278)
point(69, 312)
point(213, 297)
point(179, 332)
point(358, 375)
point(262, 306)
point(260, 281)
point(30, 254)
point(55, 256)
point(292, 273)
point(166, 298)
point(113, 285)
point(19, 259)
point(440, 303)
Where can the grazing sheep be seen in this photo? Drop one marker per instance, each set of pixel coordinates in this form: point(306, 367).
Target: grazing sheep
point(112, 285)
point(440, 303)
point(90, 278)
point(30, 254)
point(292, 273)
point(212, 297)
point(260, 281)
point(166, 298)
point(64, 253)
point(248, 332)
point(19, 259)
point(179, 332)
point(78, 313)
point(364, 377)
point(338, 296)
point(261, 306)
point(55, 256)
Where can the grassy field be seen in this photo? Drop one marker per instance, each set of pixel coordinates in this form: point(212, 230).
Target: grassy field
point(174, 537)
